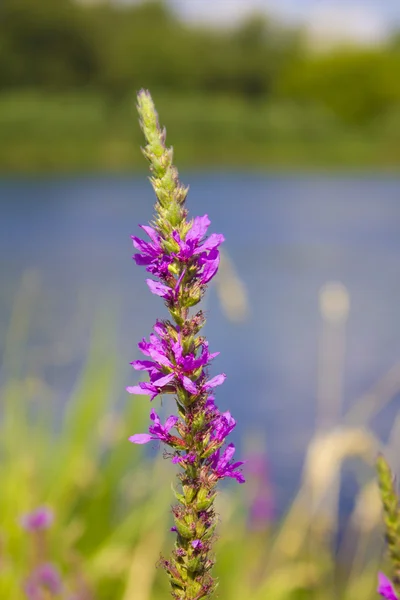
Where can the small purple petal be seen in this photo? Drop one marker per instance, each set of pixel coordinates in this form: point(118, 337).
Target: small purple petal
point(158, 288)
point(142, 365)
point(228, 454)
point(160, 328)
point(153, 235)
point(170, 423)
point(189, 385)
point(217, 380)
point(210, 269)
point(212, 242)
point(198, 229)
point(142, 259)
point(386, 588)
point(160, 358)
point(140, 438)
point(137, 389)
point(163, 381)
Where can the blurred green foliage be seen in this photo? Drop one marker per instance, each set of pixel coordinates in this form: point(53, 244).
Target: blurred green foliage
point(277, 101)
point(112, 501)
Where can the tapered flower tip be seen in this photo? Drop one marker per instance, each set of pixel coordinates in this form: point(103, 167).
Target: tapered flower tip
point(41, 518)
point(145, 105)
point(386, 588)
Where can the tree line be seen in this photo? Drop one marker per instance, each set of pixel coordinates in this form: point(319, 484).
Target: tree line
point(115, 49)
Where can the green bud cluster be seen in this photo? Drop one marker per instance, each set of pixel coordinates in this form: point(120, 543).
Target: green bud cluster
point(391, 513)
point(171, 194)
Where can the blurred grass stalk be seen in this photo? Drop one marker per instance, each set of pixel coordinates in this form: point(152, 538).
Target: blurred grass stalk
point(109, 523)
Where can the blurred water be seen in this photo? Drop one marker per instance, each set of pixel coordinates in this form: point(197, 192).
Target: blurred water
point(287, 236)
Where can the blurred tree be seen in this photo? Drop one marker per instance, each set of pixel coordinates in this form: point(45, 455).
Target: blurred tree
point(356, 84)
point(117, 48)
point(45, 43)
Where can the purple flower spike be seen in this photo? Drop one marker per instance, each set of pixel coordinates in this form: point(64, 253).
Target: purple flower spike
point(386, 588)
point(157, 431)
point(39, 519)
point(182, 260)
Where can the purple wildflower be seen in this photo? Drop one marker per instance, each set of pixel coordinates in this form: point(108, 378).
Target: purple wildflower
point(386, 588)
point(197, 544)
point(222, 467)
point(203, 252)
point(157, 431)
point(223, 425)
point(44, 578)
point(39, 519)
point(182, 261)
point(151, 253)
point(169, 356)
point(181, 460)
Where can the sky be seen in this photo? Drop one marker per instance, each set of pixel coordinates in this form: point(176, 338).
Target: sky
point(363, 20)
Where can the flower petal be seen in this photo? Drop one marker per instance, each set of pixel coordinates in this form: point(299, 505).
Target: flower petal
point(198, 229)
point(152, 233)
point(140, 438)
point(143, 365)
point(170, 423)
point(210, 268)
point(189, 385)
point(158, 288)
point(163, 381)
point(217, 380)
point(211, 243)
point(386, 588)
point(136, 389)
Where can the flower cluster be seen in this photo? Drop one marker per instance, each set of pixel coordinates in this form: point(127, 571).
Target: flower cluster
point(44, 579)
point(183, 260)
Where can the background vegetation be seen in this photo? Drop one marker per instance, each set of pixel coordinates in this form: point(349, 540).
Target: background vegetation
point(257, 95)
point(112, 501)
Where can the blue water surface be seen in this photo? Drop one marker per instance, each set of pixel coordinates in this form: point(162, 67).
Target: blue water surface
point(286, 235)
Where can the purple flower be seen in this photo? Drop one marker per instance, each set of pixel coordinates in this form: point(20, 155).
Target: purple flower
point(157, 431)
point(186, 459)
point(386, 588)
point(223, 468)
point(169, 356)
point(151, 253)
point(204, 253)
point(197, 544)
point(43, 578)
point(222, 426)
point(39, 519)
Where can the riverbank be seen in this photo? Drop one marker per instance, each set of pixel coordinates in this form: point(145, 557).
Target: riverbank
point(71, 133)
